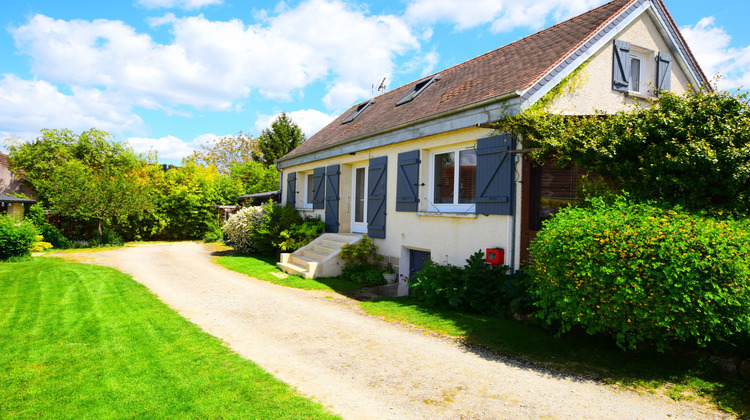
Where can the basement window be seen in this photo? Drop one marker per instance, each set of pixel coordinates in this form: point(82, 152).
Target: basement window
point(358, 110)
point(418, 88)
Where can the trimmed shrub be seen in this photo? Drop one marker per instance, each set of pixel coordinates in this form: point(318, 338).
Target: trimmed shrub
point(477, 287)
point(16, 238)
point(642, 273)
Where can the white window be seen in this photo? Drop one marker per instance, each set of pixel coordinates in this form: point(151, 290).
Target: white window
point(453, 175)
point(308, 191)
point(637, 63)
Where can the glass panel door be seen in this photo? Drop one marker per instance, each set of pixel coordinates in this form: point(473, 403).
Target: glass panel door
point(359, 200)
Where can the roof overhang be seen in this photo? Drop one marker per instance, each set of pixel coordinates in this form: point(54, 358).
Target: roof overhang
point(605, 35)
point(489, 110)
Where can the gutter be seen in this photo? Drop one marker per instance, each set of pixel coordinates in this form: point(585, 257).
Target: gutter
point(498, 98)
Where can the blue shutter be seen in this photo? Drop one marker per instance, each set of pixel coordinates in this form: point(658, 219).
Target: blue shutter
point(376, 194)
point(291, 188)
point(663, 72)
point(332, 198)
point(495, 184)
point(318, 199)
point(407, 181)
point(621, 66)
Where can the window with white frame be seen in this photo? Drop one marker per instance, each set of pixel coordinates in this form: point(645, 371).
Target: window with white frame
point(453, 175)
point(308, 198)
point(637, 64)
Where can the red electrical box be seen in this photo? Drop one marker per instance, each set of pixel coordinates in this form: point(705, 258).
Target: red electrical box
point(495, 256)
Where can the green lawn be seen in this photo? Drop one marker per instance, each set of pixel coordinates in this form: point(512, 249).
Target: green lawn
point(83, 341)
point(264, 268)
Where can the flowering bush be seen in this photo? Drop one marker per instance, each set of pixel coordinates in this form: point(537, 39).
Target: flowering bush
point(239, 228)
point(270, 228)
point(643, 273)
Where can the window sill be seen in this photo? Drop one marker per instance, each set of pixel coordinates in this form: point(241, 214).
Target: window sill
point(447, 214)
point(639, 95)
point(306, 210)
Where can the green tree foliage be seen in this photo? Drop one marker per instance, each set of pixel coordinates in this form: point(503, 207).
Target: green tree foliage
point(87, 176)
point(253, 177)
point(43, 157)
point(642, 273)
point(283, 136)
point(226, 152)
point(691, 149)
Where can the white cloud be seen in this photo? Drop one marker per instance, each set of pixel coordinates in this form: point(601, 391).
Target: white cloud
point(503, 15)
point(179, 4)
point(26, 106)
point(310, 121)
point(711, 46)
point(213, 64)
point(168, 147)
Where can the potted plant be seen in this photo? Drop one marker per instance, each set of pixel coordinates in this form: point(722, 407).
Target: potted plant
point(389, 274)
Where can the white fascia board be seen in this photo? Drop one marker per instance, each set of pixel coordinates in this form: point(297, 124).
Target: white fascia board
point(677, 48)
point(583, 53)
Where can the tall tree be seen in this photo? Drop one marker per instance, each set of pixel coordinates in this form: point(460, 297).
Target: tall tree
point(278, 140)
point(226, 152)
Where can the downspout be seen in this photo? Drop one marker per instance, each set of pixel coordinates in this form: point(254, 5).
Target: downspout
point(281, 181)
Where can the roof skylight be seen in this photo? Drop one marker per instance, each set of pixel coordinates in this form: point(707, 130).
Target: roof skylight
point(358, 110)
point(418, 88)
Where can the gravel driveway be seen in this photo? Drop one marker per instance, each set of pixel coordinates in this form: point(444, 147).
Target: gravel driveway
point(358, 365)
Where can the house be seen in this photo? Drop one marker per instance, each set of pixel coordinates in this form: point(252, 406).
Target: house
point(10, 187)
point(420, 168)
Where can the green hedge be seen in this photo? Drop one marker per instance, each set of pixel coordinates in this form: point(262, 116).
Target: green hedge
point(643, 274)
point(16, 238)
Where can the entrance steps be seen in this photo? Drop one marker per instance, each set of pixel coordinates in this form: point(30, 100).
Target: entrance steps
point(318, 259)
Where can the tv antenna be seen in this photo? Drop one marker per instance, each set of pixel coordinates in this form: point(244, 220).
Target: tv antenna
point(381, 87)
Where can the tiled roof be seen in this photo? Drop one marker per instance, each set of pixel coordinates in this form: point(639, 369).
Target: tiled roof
point(514, 67)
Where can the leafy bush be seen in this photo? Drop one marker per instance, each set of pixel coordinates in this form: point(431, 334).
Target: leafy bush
point(478, 287)
point(299, 235)
point(643, 273)
point(52, 235)
point(360, 262)
point(214, 232)
point(16, 238)
point(259, 229)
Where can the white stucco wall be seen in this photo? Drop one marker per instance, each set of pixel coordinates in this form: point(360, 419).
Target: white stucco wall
point(591, 90)
point(450, 238)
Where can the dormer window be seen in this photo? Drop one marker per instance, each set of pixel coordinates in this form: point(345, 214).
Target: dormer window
point(418, 88)
point(358, 110)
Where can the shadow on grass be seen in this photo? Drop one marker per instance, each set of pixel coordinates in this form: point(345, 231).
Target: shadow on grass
point(575, 355)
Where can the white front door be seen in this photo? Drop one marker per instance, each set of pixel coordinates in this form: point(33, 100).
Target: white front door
point(359, 199)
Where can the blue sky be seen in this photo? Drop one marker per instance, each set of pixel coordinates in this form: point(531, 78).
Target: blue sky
point(169, 75)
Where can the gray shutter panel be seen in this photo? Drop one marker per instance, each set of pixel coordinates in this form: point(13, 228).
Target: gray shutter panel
point(291, 188)
point(495, 184)
point(407, 181)
point(621, 66)
point(376, 194)
point(663, 71)
point(318, 188)
point(332, 198)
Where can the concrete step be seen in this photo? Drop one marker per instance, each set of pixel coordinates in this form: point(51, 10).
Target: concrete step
point(291, 268)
